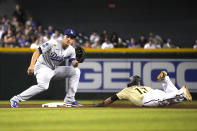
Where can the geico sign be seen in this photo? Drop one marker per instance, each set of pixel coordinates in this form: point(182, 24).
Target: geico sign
point(113, 74)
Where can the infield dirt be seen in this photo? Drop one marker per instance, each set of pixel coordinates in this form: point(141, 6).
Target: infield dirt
point(111, 106)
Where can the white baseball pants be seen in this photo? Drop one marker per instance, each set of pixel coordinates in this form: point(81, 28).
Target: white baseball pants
point(44, 74)
point(169, 95)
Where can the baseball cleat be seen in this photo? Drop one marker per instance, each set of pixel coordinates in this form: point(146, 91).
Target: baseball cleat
point(76, 104)
point(13, 104)
point(162, 75)
point(186, 93)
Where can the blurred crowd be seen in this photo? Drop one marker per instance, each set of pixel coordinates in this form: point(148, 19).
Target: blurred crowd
point(105, 40)
point(21, 31)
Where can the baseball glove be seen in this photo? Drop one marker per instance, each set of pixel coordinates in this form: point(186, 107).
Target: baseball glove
point(80, 54)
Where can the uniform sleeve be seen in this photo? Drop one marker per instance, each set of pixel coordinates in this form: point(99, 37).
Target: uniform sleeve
point(45, 47)
point(73, 55)
point(123, 94)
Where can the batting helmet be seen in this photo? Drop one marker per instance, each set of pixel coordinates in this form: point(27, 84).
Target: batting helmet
point(134, 80)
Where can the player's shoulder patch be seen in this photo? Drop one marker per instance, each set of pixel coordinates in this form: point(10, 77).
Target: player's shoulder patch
point(54, 42)
point(45, 44)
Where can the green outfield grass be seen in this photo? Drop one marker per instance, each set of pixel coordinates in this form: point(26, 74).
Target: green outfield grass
point(96, 119)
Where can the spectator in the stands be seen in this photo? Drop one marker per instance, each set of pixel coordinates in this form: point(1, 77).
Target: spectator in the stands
point(74, 44)
point(168, 44)
point(40, 40)
point(114, 38)
point(29, 21)
point(159, 39)
point(18, 28)
point(107, 44)
point(14, 21)
point(156, 43)
point(50, 30)
point(20, 14)
point(39, 32)
point(142, 41)
point(24, 41)
point(195, 44)
point(104, 35)
point(120, 44)
point(46, 37)
point(94, 37)
point(151, 36)
point(87, 44)
point(149, 45)
point(28, 30)
point(2, 31)
point(18, 37)
point(133, 43)
point(96, 44)
point(16, 32)
point(6, 23)
point(9, 39)
point(32, 38)
point(35, 44)
point(56, 36)
point(32, 23)
point(1, 34)
point(3, 19)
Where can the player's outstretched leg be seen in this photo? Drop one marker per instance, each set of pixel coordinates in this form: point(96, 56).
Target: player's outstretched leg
point(27, 94)
point(43, 79)
point(14, 101)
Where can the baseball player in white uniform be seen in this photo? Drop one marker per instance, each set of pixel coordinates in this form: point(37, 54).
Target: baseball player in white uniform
point(45, 66)
point(146, 96)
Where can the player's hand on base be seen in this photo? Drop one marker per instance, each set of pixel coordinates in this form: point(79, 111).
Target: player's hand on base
point(30, 70)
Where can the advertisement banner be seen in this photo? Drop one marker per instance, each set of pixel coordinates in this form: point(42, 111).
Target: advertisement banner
point(111, 75)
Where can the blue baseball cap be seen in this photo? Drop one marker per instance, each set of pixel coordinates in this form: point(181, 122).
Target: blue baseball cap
point(70, 32)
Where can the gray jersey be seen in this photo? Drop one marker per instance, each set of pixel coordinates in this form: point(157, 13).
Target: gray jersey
point(52, 54)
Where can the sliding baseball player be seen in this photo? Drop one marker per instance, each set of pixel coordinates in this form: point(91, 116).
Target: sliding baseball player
point(141, 95)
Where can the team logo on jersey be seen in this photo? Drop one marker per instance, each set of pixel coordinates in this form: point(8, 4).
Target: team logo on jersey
point(54, 56)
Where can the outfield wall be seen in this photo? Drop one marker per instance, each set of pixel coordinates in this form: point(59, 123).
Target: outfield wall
point(103, 72)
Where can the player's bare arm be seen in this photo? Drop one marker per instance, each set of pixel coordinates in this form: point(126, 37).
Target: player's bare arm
point(108, 101)
point(33, 61)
